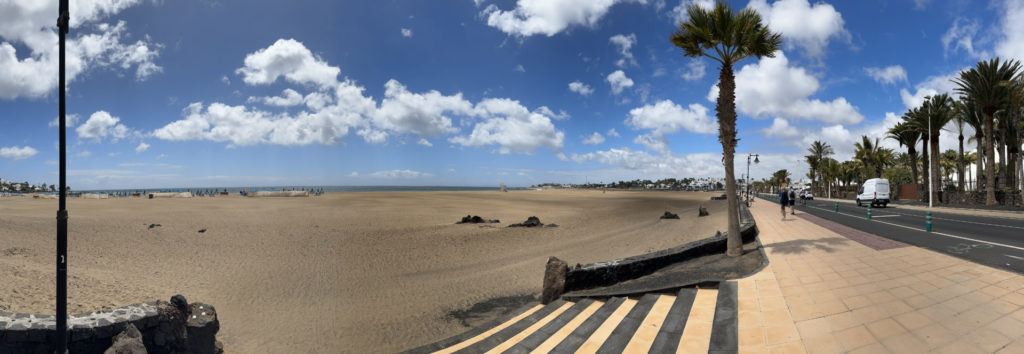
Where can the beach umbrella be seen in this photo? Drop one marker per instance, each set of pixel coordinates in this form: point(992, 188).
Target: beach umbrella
point(62, 214)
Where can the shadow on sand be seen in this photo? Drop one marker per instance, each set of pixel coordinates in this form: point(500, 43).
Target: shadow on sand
point(804, 245)
point(489, 309)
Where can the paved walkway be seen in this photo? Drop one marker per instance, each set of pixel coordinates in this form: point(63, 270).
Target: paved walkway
point(828, 293)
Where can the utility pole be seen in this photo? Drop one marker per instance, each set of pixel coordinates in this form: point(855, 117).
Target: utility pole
point(62, 213)
point(931, 179)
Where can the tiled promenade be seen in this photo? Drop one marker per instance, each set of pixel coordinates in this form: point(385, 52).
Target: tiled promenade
point(828, 288)
point(831, 290)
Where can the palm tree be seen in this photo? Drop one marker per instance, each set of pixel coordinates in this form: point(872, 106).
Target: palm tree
point(727, 38)
point(938, 110)
point(819, 151)
point(948, 161)
point(960, 113)
point(867, 153)
point(850, 172)
point(981, 85)
point(907, 135)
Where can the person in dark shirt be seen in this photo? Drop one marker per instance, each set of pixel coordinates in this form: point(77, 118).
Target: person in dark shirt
point(792, 202)
point(784, 200)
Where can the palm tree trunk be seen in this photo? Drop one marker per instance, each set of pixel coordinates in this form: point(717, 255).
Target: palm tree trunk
point(978, 165)
point(913, 163)
point(960, 166)
point(922, 191)
point(726, 110)
point(990, 159)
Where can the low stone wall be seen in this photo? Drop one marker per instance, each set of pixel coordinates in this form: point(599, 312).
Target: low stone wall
point(170, 195)
point(165, 329)
point(279, 194)
point(611, 272)
point(978, 198)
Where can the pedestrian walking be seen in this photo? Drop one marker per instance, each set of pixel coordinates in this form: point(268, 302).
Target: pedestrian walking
point(784, 201)
point(792, 202)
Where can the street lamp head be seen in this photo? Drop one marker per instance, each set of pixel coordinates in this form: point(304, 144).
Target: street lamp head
point(756, 160)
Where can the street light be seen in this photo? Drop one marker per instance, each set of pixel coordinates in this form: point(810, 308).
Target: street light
point(62, 213)
point(931, 179)
point(748, 174)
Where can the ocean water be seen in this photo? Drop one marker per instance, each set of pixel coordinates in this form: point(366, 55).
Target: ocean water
point(329, 189)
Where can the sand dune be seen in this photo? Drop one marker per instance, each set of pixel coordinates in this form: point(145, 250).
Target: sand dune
point(349, 272)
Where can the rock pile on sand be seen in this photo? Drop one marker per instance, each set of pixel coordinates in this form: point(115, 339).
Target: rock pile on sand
point(476, 219)
point(669, 215)
point(532, 221)
point(702, 211)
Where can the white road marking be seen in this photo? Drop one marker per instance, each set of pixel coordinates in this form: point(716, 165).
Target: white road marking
point(882, 216)
point(934, 232)
point(1014, 257)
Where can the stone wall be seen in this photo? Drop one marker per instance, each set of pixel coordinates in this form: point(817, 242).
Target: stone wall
point(165, 329)
point(978, 198)
point(611, 272)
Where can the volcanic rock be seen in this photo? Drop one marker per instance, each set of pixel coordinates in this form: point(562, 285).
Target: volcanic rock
point(669, 215)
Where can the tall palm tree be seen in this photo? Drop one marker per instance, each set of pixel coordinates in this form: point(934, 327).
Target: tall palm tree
point(907, 135)
point(981, 85)
point(819, 150)
point(726, 37)
point(850, 172)
point(866, 152)
point(960, 112)
point(830, 171)
point(948, 161)
point(938, 110)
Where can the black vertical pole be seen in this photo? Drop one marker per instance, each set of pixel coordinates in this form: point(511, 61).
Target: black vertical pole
point(62, 213)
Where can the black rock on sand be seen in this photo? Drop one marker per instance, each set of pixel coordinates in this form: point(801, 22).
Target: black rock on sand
point(475, 219)
point(669, 215)
point(532, 221)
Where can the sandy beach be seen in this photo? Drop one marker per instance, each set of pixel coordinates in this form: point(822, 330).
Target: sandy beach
point(349, 272)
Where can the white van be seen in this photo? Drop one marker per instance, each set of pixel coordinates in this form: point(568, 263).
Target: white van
point(874, 191)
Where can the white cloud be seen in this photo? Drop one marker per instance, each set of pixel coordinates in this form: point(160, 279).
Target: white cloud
point(594, 139)
point(141, 148)
point(512, 127)
point(478, 2)
point(69, 121)
point(288, 58)
point(288, 98)
point(921, 4)
point(697, 164)
point(679, 12)
point(807, 26)
point(544, 110)
point(888, 75)
point(31, 25)
point(780, 128)
point(561, 156)
point(407, 33)
point(653, 143)
point(961, 36)
point(225, 80)
point(18, 153)
point(101, 125)
point(519, 68)
point(624, 44)
point(335, 110)
point(84, 154)
point(400, 174)
point(548, 17)
point(695, 70)
point(580, 88)
point(421, 114)
point(1011, 41)
point(612, 132)
point(666, 117)
point(931, 86)
point(619, 81)
point(772, 88)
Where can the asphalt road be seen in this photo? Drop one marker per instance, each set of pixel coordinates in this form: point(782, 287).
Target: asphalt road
point(992, 241)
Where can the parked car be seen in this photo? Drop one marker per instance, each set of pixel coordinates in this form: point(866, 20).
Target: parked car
point(874, 191)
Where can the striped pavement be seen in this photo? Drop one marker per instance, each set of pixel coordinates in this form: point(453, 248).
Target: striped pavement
point(690, 320)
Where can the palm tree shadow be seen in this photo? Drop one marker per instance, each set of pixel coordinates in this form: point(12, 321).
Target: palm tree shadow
point(806, 245)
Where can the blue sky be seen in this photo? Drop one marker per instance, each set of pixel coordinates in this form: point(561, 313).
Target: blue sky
point(233, 93)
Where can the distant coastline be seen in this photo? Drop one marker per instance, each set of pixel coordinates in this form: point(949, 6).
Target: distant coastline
point(328, 189)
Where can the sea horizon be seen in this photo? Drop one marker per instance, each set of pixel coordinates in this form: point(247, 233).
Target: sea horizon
point(326, 189)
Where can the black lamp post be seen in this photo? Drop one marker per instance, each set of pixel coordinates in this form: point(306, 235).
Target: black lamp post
point(748, 173)
point(62, 213)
